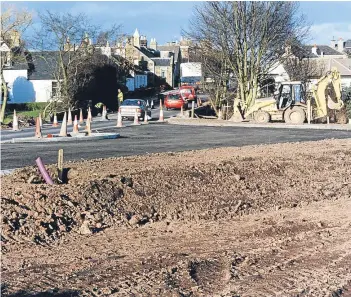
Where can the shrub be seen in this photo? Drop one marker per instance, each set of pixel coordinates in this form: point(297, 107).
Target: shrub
point(32, 106)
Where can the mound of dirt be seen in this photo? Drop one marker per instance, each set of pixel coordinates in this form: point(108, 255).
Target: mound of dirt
point(252, 221)
point(102, 193)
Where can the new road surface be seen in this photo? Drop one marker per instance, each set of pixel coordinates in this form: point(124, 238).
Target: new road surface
point(156, 138)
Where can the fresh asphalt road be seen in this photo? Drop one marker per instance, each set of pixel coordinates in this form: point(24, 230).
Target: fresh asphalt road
point(96, 125)
point(154, 138)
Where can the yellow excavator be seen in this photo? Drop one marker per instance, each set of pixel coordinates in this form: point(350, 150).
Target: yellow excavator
point(290, 103)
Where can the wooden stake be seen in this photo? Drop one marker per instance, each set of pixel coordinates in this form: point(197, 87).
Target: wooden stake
point(60, 165)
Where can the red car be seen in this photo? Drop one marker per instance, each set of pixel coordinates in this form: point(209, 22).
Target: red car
point(188, 93)
point(175, 100)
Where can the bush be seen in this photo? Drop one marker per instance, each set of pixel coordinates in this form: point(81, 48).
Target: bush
point(32, 106)
point(346, 95)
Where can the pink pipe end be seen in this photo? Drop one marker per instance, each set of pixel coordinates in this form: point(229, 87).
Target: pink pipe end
point(43, 171)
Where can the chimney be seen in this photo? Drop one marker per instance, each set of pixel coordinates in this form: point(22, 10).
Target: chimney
point(314, 50)
point(153, 44)
point(340, 45)
point(288, 49)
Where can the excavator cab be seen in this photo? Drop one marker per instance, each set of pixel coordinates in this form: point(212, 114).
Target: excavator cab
point(290, 93)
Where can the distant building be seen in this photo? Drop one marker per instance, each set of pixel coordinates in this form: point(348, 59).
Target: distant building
point(162, 62)
point(326, 56)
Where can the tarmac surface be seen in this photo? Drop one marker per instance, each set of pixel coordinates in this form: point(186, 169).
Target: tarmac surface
point(156, 138)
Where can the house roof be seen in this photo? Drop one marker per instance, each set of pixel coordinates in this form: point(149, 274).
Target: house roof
point(327, 50)
point(162, 61)
point(343, 65)
point(146, 52)
point(170, 48)
point(44, 64)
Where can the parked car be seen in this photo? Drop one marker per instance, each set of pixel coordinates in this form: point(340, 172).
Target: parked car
point(188, 93)
point(175, 100)
point(128, 107)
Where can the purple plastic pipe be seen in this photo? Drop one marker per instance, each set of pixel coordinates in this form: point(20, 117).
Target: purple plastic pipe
point(43, 171)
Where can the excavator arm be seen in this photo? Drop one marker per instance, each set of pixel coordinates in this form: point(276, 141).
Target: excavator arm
point(323, 101)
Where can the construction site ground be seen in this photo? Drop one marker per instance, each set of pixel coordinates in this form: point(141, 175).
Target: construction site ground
point(266, 220)
point(211, 121)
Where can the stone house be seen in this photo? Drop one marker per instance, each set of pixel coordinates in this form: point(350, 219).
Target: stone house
point(162, 63)
point(326, 57)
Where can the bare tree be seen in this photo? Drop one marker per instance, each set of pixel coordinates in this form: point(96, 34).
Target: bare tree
point(14, 22)
point(217, 75)
point(300, 66)
point(250, 35)
point(72, 38)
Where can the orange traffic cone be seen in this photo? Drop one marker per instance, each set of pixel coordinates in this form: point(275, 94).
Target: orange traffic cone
point(14, 122)
point(161, 119)
point(69, 121)
point(136, 119)
point(40, 121)
point(88, 127)
point(37, 129)
point(104, 113)
point(89, 115)
point(145, 118)
point(119, 120)
point(55, 124)
point(75, 125)
point(81, 120)
point(63, 131)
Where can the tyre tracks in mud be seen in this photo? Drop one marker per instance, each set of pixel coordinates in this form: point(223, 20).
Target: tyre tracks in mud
point(301, 251)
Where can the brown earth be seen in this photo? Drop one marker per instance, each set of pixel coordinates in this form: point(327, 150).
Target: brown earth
point(254, 221)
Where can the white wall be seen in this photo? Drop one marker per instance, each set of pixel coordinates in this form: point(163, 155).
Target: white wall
point(190, 69)
point(346, 81)
point(164, 54)
point(279, 73)
point(21, 90)
point(42, 90)
point(11, 75)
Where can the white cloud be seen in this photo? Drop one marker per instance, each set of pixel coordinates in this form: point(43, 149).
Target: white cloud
point(324, 33)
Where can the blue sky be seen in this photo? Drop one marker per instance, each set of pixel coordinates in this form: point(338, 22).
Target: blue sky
point(163, 20)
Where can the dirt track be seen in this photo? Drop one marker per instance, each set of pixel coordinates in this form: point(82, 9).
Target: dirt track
point(253, 221)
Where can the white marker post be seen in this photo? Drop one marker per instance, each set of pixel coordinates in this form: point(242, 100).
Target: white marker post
point(192, 109)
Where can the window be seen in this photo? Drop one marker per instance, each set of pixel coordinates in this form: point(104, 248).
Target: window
point(54, 89)
point(163, 74)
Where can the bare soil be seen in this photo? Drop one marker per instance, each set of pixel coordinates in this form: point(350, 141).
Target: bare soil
point(270, 220)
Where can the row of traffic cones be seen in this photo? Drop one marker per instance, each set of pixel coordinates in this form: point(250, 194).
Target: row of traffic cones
point(136, 118)
point(151, 104)
point(69, 120)
point(63, 131)
point(15, 126)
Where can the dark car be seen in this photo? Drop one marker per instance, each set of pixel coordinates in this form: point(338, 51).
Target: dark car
point(129, 106)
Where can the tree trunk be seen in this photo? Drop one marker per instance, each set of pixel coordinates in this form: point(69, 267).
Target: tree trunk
point(4, 99)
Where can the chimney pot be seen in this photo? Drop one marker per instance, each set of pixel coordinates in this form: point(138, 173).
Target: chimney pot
point(341, 45)
point(314, 49)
